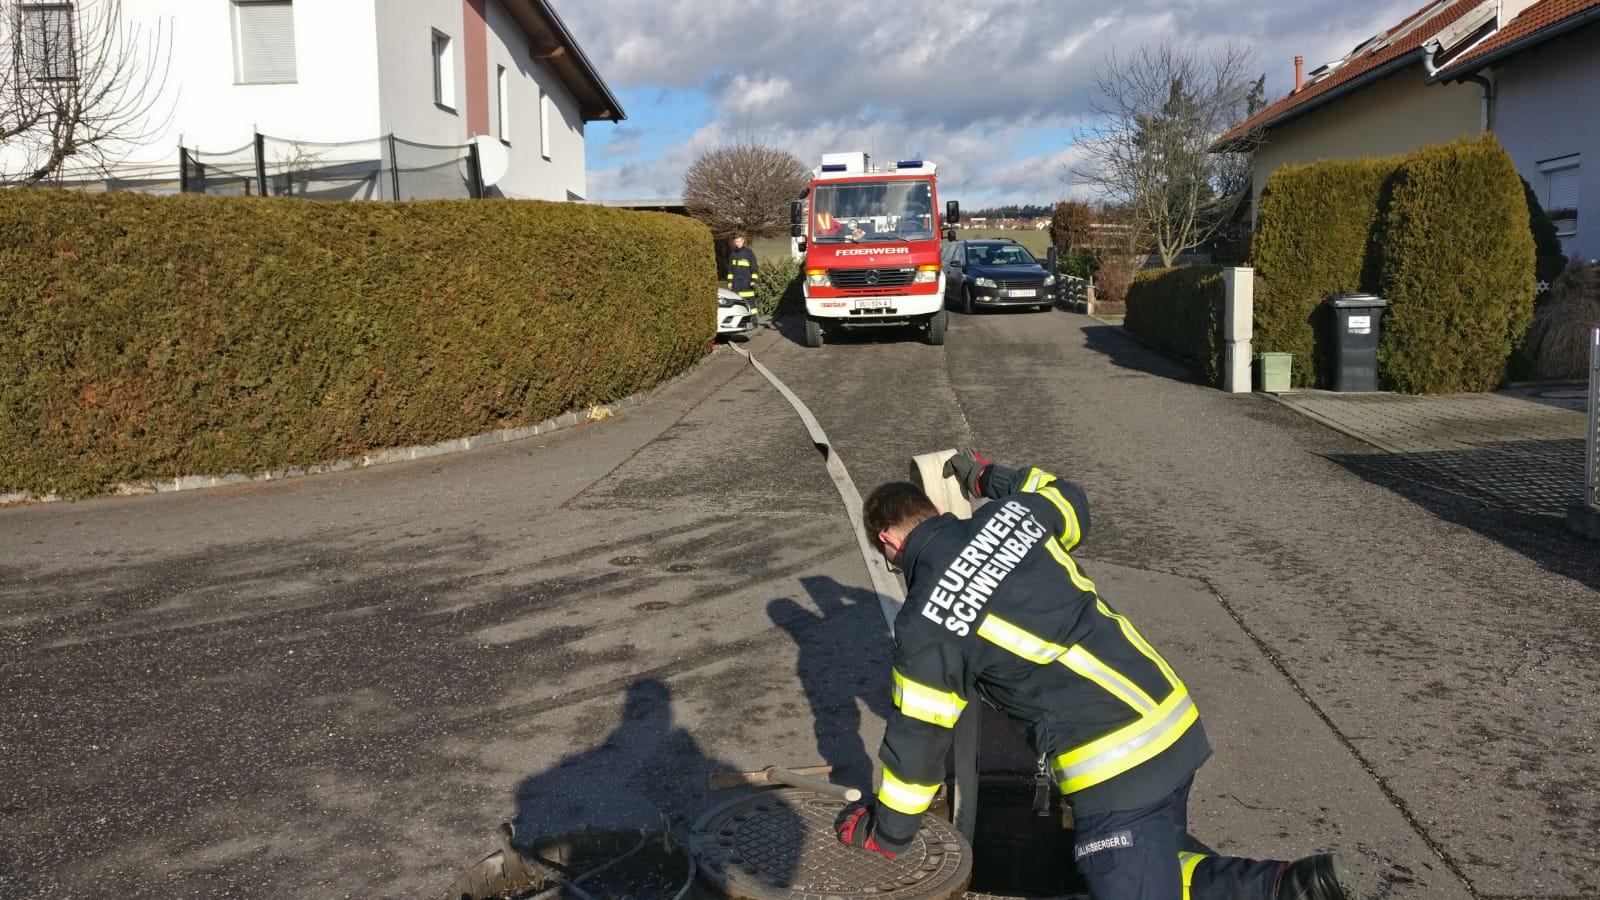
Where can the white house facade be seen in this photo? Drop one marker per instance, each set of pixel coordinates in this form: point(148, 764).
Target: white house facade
point(328, 80)
point(1541, 73)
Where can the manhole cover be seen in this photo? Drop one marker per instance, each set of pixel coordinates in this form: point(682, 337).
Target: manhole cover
point(780, 845)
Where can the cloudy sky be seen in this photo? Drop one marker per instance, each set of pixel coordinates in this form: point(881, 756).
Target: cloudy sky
point(992, 90)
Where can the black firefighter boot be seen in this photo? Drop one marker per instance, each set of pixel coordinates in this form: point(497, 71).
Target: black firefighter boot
point(1321, 877)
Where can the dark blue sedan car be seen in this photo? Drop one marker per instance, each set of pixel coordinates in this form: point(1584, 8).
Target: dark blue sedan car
point(995, 272)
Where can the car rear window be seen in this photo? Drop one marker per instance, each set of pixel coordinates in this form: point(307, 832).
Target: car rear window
point(1010, 256)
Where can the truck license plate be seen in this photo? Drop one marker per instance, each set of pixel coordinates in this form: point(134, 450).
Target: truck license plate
point(1024, 292)
point(877, 303)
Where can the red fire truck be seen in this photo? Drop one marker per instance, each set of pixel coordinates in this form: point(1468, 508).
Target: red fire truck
point(870, 243)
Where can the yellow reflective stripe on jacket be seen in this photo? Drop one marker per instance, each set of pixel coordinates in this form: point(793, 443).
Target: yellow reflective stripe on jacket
point(739, 262)
point(1159, 724)
point(1043, 483)
point(1030, 647)
point(1036, 649)
point(1078, 578)
point(1188, 862)
point(1115, 683)
point(903, 796)
point(918, 701)
point(1137, 640)
point(1126, 747)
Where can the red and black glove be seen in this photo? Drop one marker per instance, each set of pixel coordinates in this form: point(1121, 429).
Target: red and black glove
point(857, 826)
point(968, 468)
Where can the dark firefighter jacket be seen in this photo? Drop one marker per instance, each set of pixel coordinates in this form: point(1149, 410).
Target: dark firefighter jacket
point(997, 609)
point(743, 272)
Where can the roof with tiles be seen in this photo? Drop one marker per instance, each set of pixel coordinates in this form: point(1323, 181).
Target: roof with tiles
point(1391, 50)
point(1539, 22)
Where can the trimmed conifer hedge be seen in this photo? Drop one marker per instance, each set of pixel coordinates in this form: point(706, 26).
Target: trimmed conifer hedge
point(1442, 234)
point(154, 337)
point(1179, 311)
point(1457, 269)
point(1313, 238)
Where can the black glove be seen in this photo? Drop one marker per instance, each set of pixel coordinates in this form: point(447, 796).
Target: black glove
point(968, 468)
point(857, 826)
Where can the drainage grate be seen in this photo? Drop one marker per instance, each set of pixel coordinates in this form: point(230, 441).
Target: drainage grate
point(780, 845)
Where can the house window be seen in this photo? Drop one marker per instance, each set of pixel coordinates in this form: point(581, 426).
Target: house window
point(1561, 193)
point(263, 41)
point(502, 89)
point(444, 71)
point(46, 51)
point(546, 108)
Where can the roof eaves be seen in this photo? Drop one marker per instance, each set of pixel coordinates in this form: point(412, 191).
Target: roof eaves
point(1473, 64)
point(567, 59)
point(1356, 82)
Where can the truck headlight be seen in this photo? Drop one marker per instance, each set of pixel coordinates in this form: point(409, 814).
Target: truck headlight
point(817, 278)
point(925, 274)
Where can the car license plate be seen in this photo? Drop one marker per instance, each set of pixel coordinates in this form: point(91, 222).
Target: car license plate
point(1024, 292)
point(876, 303)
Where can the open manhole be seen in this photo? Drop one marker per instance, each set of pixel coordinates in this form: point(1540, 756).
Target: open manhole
point(1016, 852)
point(780, 845)
point(589, 864)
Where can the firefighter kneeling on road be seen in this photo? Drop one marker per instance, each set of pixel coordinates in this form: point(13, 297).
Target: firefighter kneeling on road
point(743, 272)
point(997, 608)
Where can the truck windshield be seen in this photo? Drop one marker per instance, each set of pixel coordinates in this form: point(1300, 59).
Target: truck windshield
point(869, 212)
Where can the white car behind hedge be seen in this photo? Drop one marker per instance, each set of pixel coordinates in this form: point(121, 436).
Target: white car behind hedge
point(733, 314)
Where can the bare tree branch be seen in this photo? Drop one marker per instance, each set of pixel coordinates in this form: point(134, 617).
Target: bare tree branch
point(744, 189)
point(78, 90)
point(1159, 112)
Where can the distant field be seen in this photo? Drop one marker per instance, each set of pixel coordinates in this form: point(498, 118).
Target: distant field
point(1037, 242)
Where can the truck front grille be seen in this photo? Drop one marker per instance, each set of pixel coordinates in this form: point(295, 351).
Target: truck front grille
point(872, 278)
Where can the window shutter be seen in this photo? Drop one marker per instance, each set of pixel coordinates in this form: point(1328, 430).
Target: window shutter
point(1563, 188)
point(266, 41)
point(47, 49)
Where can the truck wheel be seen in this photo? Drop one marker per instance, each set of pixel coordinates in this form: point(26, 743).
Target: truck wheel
point(966, 301)
point(936, 325)
point(813, 332)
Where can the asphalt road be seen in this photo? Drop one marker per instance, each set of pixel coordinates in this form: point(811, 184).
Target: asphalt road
point(339, 685)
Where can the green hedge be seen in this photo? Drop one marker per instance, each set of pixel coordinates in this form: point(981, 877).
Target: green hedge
point(1457, 269)
point(1444, 234)
point(1179, 311)
point(1313, 238)
point(779, 292)
point(153, 337)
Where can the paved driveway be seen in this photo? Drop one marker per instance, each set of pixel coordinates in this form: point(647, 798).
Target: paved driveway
point(340, 684)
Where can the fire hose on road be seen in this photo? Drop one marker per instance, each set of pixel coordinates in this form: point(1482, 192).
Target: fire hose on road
point(927, 472)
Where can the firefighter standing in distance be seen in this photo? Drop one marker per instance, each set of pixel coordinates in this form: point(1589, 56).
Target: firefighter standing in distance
point(743, 272)
point(997, 608)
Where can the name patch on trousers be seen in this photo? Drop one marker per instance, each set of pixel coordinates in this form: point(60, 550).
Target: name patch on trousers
point(1115, 841)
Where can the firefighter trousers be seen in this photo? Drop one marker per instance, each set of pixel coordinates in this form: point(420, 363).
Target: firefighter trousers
point(1144, 854)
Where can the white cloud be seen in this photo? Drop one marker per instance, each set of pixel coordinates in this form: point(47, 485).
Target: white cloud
point(991, 91)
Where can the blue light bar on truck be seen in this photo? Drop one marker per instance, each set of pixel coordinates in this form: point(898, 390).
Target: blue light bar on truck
point(834, 167)
point(909, 164)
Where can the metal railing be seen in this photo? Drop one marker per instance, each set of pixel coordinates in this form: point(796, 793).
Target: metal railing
point(1592, 494)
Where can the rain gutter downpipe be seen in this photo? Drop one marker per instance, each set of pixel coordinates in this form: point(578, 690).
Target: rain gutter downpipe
point(1430, 50)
